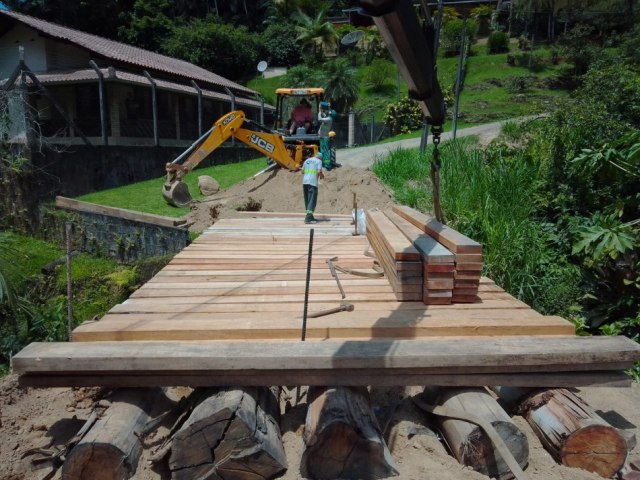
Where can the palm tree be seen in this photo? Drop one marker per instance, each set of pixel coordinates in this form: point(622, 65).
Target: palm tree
point(341, 84)
point(315, 34)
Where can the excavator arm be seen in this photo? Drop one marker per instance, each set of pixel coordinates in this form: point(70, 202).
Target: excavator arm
point(233, 124)
point(412, 47)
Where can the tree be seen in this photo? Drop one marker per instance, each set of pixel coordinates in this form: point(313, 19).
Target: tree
point(315, 34)
point(341, 85)
point(280, 47)
point(148, 24)
point(100, 18)
point(227, 50)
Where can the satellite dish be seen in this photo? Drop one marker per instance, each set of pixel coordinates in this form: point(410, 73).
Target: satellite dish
point(350, 39)
point(262, 66)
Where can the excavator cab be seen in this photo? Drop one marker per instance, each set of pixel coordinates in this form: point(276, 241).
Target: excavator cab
point(286, 101)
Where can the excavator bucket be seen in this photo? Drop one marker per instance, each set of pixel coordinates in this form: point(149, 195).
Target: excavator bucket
point(177, 194)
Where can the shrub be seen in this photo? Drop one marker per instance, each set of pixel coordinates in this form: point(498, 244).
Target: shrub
point(279, 45)
point(404, 116)
point(379, 72)
point(450, 37)
point(520, 84)
point(498, 42)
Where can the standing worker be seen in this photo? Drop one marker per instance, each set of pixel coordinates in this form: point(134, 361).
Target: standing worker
point(325, 120)
point(312, 171)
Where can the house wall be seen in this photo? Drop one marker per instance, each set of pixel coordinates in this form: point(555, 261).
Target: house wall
point(34, 50)
point(40, 54)
point(82, 169)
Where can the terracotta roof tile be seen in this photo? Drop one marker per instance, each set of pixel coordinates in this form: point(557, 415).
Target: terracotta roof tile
point(127, 53)
point(56, 78)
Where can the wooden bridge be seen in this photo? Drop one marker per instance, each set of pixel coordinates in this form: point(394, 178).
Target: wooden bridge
point(230, 308)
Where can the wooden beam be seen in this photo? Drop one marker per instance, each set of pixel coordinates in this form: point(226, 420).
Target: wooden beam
point(436, 355)
point(605, 378)
point(71, 204)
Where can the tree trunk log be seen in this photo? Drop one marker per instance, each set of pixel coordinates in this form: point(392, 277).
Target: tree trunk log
point(343, 437)
point(110, 450)
point(467, 441)
point(571, 430)
point(232, 434)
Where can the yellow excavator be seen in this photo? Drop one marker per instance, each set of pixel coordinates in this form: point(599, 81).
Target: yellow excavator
point(289, 155)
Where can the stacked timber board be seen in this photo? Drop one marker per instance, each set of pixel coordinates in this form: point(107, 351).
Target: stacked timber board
point(229, 310)
point(398, 257)
point(467, 253)
point(438, 265)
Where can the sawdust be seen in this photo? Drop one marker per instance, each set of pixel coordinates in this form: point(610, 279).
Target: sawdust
point(281, 191)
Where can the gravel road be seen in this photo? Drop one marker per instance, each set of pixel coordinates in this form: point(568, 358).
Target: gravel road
point(364, 157)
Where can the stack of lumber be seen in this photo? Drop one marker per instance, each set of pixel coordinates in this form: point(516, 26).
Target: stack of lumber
point(438, 267)
point(399, 258)
point(467, 253)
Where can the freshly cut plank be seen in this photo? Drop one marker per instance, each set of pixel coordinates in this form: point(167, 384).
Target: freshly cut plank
point(431, 250)
point(399, 246)
point(270, 326)
point(454, 241)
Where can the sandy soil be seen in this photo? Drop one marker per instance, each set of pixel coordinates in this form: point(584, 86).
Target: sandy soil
point(281, 191)
point(48, 418)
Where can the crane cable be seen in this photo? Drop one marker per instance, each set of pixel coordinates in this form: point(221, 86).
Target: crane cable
point(436, 130)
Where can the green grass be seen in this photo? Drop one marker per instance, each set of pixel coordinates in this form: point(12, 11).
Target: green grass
point(147, 197)
point(490, 199)
point(481, 100)
point(22, 257)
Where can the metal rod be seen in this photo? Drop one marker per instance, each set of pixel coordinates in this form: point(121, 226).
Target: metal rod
point(154, 102)
point(67, 233)
point(195, 85)
point(306, 287)
point(102, 97)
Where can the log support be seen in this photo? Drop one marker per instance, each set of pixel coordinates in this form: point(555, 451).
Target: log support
point(343, 437)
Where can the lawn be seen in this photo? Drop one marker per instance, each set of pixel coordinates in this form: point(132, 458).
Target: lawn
point(147, 197)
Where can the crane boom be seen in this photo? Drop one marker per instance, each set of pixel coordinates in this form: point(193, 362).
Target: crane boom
point(412, 49)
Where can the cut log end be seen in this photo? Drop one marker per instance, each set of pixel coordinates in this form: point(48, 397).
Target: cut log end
point(478, 451)
point(97, 462)
point(598, 449)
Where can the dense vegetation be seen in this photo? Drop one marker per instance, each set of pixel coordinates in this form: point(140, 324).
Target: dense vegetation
point(556, 201)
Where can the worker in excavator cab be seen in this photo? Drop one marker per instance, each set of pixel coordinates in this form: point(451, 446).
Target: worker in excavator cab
point(325, 132)
point(301, 117)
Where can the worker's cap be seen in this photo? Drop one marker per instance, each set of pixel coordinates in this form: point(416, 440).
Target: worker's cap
point(319, 155)
point(324, 104)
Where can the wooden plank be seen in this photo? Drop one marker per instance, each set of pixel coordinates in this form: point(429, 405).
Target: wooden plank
point(184, 305)
point(294, 215)
point(435, 355)
point(397, 244)
point(431, 250)
point(70, 204)
point(605, 378)
point(354, 324)
point(454, 241)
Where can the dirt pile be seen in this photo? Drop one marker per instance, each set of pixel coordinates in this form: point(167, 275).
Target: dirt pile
point(281, 191)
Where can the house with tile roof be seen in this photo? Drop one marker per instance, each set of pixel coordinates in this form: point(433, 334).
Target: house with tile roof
point(88, 89)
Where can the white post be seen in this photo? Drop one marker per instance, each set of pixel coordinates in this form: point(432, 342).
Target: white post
point(351, 129)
